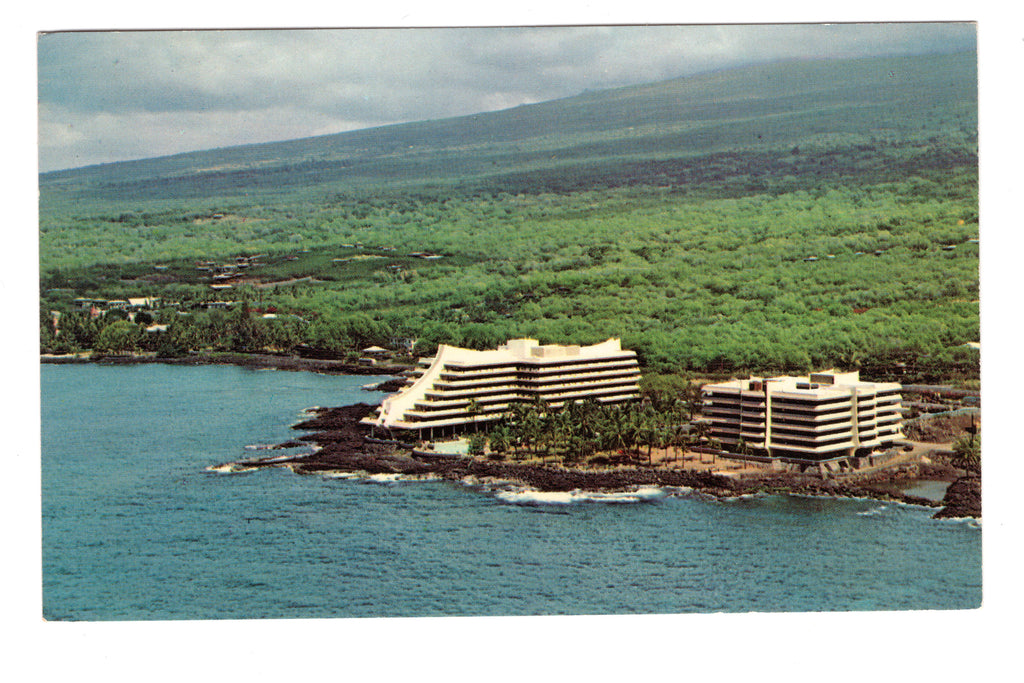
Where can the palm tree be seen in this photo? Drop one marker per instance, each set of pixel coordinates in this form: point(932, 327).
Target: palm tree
point(967, 453)
point(701, 430)
point(542, 425)
point(532, 427)
point(676, 427)
point(647, 429)
point(616, 429)
point(567, 432)
point(473, 408)
point(499, 438)
point(518, 416)
point(693, 398)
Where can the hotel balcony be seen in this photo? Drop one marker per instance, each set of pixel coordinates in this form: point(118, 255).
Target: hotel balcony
point(811, 417)
point(576, 365)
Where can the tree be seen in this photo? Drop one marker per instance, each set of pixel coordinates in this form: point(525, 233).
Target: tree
point(517, 426)
point(473, 408)
point(79, 330)
point(499, 439)
point(693, 399)
point(365, 331)
point(967, 453)
point(120, 336)
point(328, 333)
point(701, 429)
point(184, 335)
point(480, 336)
point(648, 430)
point(477, 444)
point(533, 424)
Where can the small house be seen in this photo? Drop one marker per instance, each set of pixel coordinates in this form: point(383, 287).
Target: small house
point(402, 344)
point(139, 303)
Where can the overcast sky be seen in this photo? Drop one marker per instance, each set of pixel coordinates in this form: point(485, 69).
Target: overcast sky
point(112, 96)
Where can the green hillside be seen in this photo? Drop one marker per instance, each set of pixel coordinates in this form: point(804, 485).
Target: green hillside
point(677, 215)
point(760, 108)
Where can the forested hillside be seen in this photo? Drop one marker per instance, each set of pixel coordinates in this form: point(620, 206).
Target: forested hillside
point(780, 217)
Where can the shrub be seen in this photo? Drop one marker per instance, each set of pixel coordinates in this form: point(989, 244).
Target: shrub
point(967, 453)
point(477, 444)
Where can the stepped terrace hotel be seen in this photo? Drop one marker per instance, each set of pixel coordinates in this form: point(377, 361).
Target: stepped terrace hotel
point(822, 416)
point(460, 387)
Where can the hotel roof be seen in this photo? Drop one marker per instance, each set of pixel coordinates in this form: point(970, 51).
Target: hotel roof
point(531, 351)
point(818, 384)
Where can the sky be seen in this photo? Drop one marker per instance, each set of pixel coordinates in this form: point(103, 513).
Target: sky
point(110, 96)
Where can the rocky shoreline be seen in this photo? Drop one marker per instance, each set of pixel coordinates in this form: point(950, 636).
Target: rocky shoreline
point(963, 499)
point(342, 448)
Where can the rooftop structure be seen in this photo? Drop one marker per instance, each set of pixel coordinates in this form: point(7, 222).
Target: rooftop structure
point(824, 415)
point(458, 386)
point(143, 302)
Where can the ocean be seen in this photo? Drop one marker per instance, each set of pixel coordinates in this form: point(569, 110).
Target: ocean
point(137, 524)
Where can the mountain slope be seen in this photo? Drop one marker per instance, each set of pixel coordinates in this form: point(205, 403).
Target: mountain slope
point(780, 217)
point(758, 108)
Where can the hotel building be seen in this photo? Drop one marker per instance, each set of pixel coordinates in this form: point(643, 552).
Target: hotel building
point(822, 416)
point(460, 387)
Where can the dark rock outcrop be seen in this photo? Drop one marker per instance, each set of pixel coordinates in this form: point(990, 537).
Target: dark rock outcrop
point(963, 499)
point(389, 386)
point(343, 447)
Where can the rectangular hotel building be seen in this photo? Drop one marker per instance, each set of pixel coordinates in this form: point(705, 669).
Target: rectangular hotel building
point(459, 387)
point(821, 416)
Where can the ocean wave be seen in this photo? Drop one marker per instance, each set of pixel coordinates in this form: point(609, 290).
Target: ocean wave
point(535, 497)
point(342, 475)
point(746, 496)
point(381, 478)
point(651, 492)
point(676, 490)
point(532, 497)
point(384, 478)
point(259, 447)
point(972, 522)
point(230, 468)
point(276, 458)
point(873, 511)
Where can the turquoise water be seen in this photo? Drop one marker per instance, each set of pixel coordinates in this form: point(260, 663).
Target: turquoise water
point(135, 527)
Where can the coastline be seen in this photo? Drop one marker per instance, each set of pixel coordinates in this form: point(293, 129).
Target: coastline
point(245, 360)
point(340, 447)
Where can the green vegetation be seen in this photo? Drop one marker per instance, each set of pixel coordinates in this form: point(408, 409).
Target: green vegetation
point(967, 453)
point(585, 429)
point(679, 216)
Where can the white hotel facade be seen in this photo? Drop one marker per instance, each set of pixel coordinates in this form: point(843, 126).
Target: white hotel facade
point(824, 415)
point(460, 387)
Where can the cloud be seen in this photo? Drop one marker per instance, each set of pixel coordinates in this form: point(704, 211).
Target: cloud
point(108, 96)
point(69, 139)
